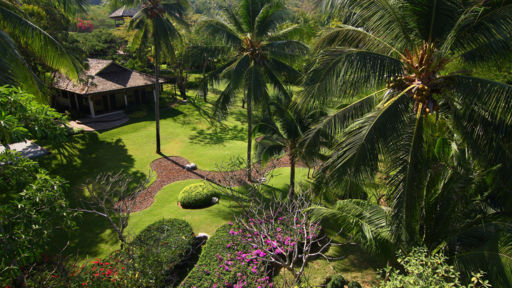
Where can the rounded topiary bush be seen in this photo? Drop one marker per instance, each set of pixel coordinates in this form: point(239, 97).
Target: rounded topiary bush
point(354, 284)
point(196, 196)
point(337, 281)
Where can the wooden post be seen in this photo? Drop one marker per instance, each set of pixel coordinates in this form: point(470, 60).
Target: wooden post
point(125, 99)
point(76, 102)
point(91, 107)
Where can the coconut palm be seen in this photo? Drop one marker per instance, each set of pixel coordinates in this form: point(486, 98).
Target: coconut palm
point(18, 34)
point(452, 217)
point(407, 46)
point(155, 25)
point(261, 57)
point(282, 131)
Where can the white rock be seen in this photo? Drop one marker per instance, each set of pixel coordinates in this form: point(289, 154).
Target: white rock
point(203, 235)
point(191, 166)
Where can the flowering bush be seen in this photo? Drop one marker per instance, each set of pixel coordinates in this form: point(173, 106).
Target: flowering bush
point(227, 262)
point(85, 26)
point(196, 196)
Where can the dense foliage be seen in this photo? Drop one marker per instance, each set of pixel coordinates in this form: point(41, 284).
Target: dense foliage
point(424, 269)
point(162, 250)
point(33, 208)
point(22, 117)
point(403, 110)
point(197, 196)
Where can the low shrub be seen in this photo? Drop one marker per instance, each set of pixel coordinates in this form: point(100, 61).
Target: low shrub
point(196, 196)
point(354, 284)
point(162, 252)
point(337, 281)
point(224, 263)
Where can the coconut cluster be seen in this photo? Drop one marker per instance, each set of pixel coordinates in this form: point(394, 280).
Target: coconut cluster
point(419, 78)
point(422, 94)
point(153, 8)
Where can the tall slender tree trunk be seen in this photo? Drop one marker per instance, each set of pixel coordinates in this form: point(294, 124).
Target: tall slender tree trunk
point(205, 82)
point(157, 95)
point(291, 192)
point(249, 138)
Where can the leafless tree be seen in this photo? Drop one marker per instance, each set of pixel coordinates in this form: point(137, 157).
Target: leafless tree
point(113, 196)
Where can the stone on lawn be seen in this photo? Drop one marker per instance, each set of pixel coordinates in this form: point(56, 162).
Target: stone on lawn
point(190, 166)
point(215, 200)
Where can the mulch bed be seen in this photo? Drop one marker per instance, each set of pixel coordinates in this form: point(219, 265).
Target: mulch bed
point(172, 169)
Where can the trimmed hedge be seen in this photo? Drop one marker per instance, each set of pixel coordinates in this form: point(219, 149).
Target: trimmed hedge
point(162, 252)
point(196, 196)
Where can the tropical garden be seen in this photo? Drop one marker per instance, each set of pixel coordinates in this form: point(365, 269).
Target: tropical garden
point(293, 143)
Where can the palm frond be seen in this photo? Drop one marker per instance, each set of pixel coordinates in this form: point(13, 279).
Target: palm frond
point(234, 20)
point(271, 15)
point(237, 73)
point(285, 49)
point(365, 223)
point(221, 31)
point(13, 67)
point(220, 108)
point(346, 72)
point(353, 37)
point(45, 48)
point(357, 155)
point(335, 122)
point(295, 32)
point(383, 18)
point(494, 99)
point(486, 247)
point(407, 167)
point(249, 10)
point(256, 86)
point(164, 36)
point(433, 19)
point(481, 35)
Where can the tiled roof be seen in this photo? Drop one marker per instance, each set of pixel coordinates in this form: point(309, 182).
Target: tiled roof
point(103, 76)
point(124, 12)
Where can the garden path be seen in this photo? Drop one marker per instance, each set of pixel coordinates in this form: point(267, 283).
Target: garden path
point(171, 169)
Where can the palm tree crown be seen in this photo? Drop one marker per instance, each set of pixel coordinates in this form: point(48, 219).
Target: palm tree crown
point(401, 51)
point(261, 52)
point(17, 33)
point(154, 25)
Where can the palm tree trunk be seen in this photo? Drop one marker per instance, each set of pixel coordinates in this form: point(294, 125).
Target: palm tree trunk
point(291, 192)
point(157, 96)
point(249, 138)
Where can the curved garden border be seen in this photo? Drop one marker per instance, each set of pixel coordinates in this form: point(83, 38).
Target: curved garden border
point(170, 169)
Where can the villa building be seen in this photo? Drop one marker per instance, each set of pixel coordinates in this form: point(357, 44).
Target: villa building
point(105, 87)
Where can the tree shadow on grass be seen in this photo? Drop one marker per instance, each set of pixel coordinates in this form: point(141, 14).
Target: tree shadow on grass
point(88, 157)
point(218, 135)
point(147, 113)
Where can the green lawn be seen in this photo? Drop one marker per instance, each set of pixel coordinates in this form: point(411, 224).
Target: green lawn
point(186, 131)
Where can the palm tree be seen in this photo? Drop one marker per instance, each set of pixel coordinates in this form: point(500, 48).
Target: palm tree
point(282, 131)
point(18, 34)
point(408, 45)
point(154, 25)
point(452, 217)
point(261, 55)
